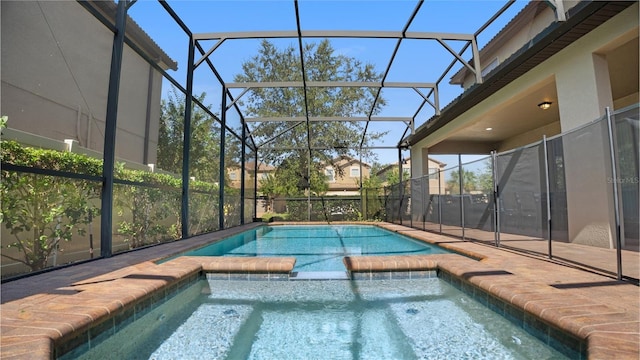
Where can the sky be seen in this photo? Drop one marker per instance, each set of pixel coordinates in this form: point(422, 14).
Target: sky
point(416, 60)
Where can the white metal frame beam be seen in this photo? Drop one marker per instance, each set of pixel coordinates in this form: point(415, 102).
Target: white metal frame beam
point(293, 84)
point(329, 118)
point(283, 34)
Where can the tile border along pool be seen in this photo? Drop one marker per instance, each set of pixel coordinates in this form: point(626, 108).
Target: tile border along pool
point(560, 301)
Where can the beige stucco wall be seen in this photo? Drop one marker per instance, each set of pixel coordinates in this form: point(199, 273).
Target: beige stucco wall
point(420, 168)
point(584, 91)
point(346, 184)
point(529, 137)
point(515, 41)
point(55, 76)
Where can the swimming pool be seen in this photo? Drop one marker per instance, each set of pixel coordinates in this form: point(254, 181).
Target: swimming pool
point(375, 319)
point(317, 247)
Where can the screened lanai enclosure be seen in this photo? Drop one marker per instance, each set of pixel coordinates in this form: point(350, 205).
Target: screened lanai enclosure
point(143, 122)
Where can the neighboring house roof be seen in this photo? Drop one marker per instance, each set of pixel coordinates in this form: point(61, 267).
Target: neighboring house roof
point(262, 167)
point(581, 19)
point(386, 169)
point(440, 163)
point(346, 160)
point(134, 32)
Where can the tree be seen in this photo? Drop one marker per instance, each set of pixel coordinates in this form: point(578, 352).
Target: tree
point(372, 182)
point(372, 192)
point(204, 158)
point(291, 179)
point(321, 64)
point(485, 179)
point(394, 176)
point(470, 182)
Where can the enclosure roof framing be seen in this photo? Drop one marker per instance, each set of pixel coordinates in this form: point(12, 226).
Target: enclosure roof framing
point(293, 84)
point(333, 34)
point(430, 96)
point(330, 118)
point(279, 148)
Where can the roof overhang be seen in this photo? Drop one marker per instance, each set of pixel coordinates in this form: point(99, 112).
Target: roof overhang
point(581, 19)
point(135, 34)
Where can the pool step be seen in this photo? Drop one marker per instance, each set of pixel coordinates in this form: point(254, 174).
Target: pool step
point(319, 275)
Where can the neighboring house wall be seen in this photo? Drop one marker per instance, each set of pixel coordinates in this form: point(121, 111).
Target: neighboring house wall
point(344, 178)
point(436, 177)
point(235, 177)
point(434, 168)
point(345, 184)
point(56, 60)
point(264, 171)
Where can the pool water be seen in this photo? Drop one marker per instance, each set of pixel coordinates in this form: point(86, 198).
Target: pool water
point(331, 319)
point(317, 247)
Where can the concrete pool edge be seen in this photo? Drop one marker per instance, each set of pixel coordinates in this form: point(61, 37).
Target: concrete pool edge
point(32, 326)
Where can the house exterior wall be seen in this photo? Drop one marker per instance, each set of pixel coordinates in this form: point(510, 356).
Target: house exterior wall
point(515, 41)
point(584, 90)
point(529, 137)
point(565, 68)
point(583, 87)
point(55, 76)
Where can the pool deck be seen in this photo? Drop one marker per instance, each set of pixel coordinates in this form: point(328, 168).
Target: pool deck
point(41, 312)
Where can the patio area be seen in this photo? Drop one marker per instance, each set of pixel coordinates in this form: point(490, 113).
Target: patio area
point(58, 307)
point(510, 137)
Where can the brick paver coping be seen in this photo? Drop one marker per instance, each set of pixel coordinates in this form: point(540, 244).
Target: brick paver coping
point(246, 264)
point(32, 327)
point(608, 331)
point(389, 263)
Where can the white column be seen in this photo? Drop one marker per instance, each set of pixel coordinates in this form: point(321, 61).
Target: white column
point(584, 91)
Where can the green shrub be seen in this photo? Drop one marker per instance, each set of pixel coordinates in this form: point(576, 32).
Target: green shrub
point(40, 211)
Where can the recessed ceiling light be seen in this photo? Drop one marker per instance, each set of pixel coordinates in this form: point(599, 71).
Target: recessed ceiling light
point(489, 129)
point(545, 105)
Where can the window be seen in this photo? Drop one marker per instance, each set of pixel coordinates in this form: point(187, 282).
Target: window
point(330, 175)
point(433, 173)
point(233, 175)
point(263, 176)
point(355, 172)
